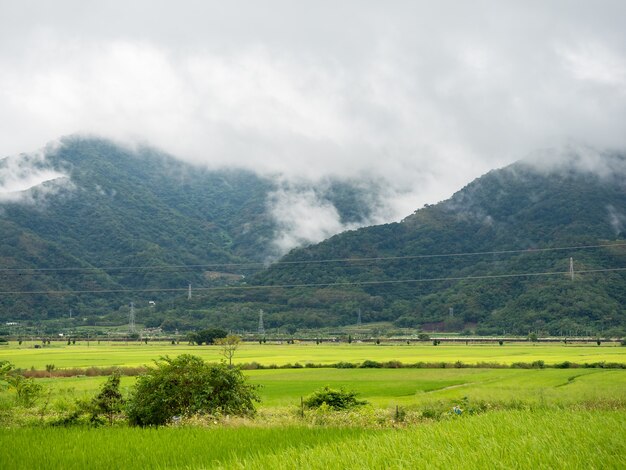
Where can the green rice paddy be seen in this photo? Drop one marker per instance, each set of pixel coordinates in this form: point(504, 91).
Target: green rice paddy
point(513, 439)
point(513, 418)
point(121, 354)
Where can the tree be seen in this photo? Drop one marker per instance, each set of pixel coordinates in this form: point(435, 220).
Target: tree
point(229, 347)
point(109, 401)
point(207, 336)
point(185, 386)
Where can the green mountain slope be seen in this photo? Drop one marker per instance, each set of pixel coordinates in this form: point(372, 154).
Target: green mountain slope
point(512, 216)
point(119, 219)
point(494, 257)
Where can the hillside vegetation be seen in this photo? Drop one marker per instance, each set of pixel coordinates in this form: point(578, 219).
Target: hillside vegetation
point(133, 219)
point(139, 226)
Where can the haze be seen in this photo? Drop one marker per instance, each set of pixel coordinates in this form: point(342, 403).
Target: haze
point(419, 96)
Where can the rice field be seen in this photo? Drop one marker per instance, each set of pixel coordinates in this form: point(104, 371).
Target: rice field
point(511, 439)
point(513, 418)
point(137, 354)
point(386, 388)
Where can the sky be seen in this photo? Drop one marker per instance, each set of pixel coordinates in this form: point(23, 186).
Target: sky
point(420, 96)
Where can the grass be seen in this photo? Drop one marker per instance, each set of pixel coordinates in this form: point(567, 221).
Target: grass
point(538, 418)
point(386, 388)
point(120, 354)
point(511, 439)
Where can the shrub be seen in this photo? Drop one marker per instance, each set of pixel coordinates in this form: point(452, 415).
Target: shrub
point(345, 365)
point(26, 390)
point(186, 385)
point(367, 364)
point(334, 399)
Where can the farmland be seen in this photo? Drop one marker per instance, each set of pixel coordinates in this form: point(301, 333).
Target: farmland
point(521, 418)
point(137, 354)
point(514, 439)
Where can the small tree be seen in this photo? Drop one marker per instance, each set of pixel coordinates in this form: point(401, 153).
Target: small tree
point(26, 390)
point(109, 401)
point(229, 346)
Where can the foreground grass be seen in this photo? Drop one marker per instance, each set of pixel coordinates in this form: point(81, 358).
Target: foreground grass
point(512, 439)
point(137, 354)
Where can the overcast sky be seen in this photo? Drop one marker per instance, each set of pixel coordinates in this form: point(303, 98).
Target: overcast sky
point(424, 95)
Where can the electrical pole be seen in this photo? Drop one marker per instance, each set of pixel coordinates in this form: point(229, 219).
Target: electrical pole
point(571, 268)
point(189, 293)
point(261, 325)
point(131, 319)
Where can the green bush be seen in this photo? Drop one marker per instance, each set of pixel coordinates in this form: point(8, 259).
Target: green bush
point(367, 364)
point(186, 385)
point(334, 399)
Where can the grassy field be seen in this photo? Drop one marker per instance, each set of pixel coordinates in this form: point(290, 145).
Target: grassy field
point(120, 354)
point(512, 439)
point(386, 388)
point(513, 418)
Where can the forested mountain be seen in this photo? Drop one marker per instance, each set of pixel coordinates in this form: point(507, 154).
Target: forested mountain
point(494, 257)
point(113, 218)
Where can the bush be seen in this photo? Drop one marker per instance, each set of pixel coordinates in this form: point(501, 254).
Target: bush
point(334, 399)
point(345, 365)
point(367, 364)
point(186, 386)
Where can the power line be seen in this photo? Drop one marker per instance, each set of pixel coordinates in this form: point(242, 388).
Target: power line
point(323, 284)
point(260, 265)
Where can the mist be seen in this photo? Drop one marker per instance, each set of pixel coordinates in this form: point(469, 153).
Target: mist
point(418, 97)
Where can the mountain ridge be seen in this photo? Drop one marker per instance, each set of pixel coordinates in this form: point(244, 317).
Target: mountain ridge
point(466, 262)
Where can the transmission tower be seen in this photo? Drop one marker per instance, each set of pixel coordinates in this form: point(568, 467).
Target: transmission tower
point(131, 319)
point(571, 268)
point(358, 318)
point(261, 326)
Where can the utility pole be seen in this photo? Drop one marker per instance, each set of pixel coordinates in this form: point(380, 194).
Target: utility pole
point(189, 293)
point(261, 325)
point(571, 268)
point(131, 319)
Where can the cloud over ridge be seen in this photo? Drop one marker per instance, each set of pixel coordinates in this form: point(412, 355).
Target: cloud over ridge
point(421, 97)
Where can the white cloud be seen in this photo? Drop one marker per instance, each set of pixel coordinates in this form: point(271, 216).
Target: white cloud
point(422, 97)
point(29, 179)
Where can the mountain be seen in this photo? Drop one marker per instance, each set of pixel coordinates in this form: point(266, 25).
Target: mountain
point(89, 214)
point(138, 225)
point(494, 257)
